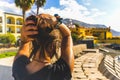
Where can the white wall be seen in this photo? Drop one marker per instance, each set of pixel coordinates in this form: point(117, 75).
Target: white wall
point(3, 22)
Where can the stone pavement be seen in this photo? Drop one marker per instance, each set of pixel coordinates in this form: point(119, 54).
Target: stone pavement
point(5, 68)
point(86, 68)
point(110, 68)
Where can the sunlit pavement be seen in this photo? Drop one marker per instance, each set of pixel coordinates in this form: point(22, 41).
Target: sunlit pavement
point(6, 68)
point(86, 68)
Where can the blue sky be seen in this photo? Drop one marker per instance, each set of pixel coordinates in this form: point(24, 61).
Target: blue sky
point(105, 12)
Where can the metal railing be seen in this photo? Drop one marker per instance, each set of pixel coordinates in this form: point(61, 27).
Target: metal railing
point(112, 65)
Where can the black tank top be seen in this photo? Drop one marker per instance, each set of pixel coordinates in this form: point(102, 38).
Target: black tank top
point(56, 71)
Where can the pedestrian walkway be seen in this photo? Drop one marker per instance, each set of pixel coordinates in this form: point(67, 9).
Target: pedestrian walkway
point(86, 67)
point(111, 67)
point(5, 68)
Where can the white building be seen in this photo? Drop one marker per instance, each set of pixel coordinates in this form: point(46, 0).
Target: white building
point(10, 23)
point(2, 22)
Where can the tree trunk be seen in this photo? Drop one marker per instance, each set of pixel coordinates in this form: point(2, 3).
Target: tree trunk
point(37, 10)
point(23, 12)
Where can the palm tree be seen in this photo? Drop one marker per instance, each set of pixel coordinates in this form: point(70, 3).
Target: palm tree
point(24, 5)
point(39, 3)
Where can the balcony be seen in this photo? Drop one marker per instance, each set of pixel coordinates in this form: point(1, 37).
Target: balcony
point(18, 30)
point(10, 20)
point(0, 29)
point(10, 30)
point(19, 21)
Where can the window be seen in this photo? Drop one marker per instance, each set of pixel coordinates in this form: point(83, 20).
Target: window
point(0, 28)
point(0, 19)
point(8, 29)
point(9, 21)
point(18, 22)
point(18, 30)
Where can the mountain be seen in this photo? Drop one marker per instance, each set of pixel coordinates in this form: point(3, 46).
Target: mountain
point(67, 21)
point(115, 33)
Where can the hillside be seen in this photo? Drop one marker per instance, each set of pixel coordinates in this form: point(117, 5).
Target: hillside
point(68, 21)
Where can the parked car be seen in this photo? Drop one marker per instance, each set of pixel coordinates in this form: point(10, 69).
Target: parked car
point(114, 46)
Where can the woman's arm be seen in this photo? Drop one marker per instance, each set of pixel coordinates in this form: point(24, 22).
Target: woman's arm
point(67, 45)
point(23, 50)
point(27, 30)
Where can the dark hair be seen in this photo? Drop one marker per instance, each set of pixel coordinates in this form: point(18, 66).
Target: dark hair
point(48, 37)
point(31, 17)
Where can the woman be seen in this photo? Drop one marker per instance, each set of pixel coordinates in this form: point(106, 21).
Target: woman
point(49, 38)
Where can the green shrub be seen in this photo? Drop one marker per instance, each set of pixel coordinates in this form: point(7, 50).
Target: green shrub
point(7, 54)
point(7, 38)
point(75, 37)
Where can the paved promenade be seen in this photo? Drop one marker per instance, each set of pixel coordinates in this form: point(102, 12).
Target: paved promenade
point(5, 68)
point(86, 68)
point(110, 67)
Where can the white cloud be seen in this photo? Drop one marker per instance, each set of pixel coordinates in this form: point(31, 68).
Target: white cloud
point(72, 9)
point(72, 4)
point(9, 7)
point(96, 13)
point(69, 9)
point(114, 20)
point(87, 2)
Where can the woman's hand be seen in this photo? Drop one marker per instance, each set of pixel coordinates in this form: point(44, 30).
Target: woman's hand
point(29, 29)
